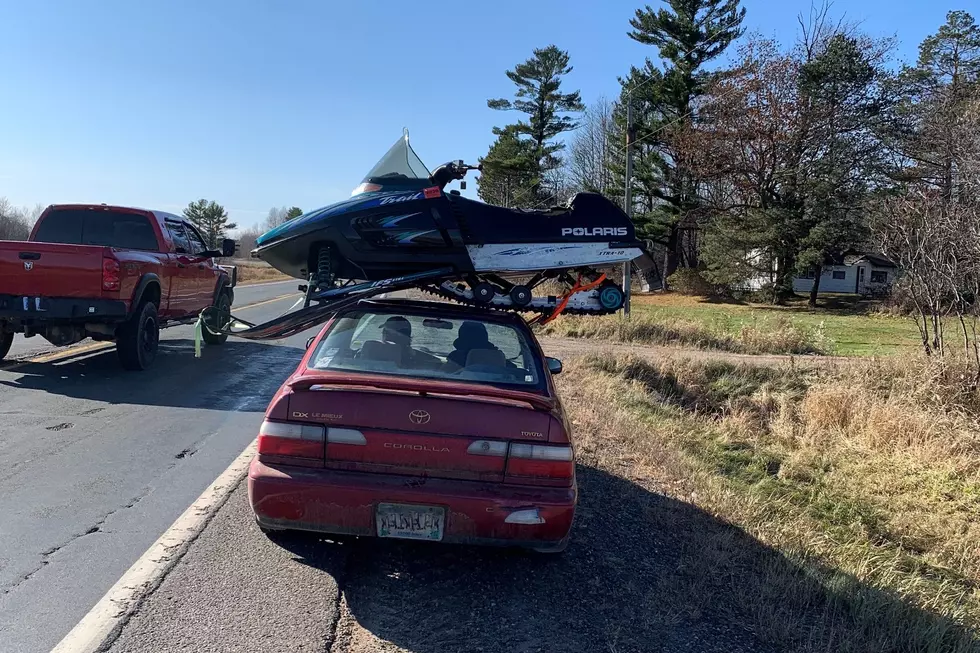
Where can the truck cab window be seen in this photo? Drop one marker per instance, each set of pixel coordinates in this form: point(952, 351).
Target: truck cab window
point(116, 229)
point(197, 245)
point(61, 227)
point(181, 245)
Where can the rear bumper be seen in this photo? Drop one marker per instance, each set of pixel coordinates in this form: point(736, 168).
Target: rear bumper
point(28, 311)
point(331, 501)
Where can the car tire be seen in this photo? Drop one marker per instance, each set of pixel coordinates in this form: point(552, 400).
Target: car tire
point(138, 338)
point(222, 309)
point(6, 339)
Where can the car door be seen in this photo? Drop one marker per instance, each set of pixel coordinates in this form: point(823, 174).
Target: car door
point(182, 289)
point(201, 268)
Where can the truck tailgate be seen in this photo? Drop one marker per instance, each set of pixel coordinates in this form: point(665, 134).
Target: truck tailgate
point(50, 269)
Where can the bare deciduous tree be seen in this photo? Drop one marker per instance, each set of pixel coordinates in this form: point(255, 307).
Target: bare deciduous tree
point(592, 149)
point(15, 222)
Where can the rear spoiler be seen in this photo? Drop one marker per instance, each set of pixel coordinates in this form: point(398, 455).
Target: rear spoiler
point(306, 381)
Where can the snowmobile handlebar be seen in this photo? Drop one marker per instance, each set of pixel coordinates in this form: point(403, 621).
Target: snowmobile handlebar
point(451, 171)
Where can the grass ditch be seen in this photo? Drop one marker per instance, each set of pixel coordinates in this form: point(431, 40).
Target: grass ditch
point(765, 335)
point(864, 481)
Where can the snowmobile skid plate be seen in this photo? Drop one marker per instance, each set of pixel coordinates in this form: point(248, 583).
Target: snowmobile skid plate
point(597, 297)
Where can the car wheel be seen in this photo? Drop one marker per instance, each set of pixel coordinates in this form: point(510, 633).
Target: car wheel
point(138, 338)
point(6, 339)
point(221, 313)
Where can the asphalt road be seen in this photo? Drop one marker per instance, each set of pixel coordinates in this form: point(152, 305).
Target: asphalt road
point(27, 347)
point(97, 462)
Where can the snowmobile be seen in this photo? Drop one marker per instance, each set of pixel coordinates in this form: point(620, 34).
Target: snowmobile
point(400, 220)
point(401, 229)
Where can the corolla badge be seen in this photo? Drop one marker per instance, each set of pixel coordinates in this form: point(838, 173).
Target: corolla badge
point(419, 417)
point(28, 265)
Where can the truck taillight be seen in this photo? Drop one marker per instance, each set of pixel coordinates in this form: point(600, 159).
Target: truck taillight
point(540, 464)
point(291, 439)
point(110, 274)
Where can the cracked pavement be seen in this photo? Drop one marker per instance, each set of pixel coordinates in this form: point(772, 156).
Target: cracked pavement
point(97, 462)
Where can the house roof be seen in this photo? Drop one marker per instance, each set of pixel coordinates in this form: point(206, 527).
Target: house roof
point(853, 257)
point(877, 260)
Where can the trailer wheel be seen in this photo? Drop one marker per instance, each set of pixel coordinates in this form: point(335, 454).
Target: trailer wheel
point(6, 339)
point(138, 338)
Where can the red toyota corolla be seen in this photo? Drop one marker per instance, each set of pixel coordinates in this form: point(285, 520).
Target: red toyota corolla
point(423, 421)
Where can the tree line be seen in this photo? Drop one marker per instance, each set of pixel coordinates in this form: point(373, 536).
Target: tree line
point(773, 165)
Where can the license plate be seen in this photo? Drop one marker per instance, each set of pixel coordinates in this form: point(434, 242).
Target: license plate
point(410, 522)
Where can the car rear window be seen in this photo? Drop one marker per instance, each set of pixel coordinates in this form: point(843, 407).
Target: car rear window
point(451, 349)
point(97, 227)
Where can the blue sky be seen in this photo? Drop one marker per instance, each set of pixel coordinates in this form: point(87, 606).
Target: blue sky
point(261, 104)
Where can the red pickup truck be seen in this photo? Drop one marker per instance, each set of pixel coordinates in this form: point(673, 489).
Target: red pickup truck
point(110, 273)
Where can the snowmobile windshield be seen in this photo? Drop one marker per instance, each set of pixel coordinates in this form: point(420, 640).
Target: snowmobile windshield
point(399, 163)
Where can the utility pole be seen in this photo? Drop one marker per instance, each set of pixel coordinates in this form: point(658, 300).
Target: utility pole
point(628, 198)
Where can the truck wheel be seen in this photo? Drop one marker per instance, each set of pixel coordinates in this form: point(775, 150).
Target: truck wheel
point(222, 312)
point(138, 338)
point(6, 339)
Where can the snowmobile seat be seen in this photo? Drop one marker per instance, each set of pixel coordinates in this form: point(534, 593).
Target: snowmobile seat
point(594, 217)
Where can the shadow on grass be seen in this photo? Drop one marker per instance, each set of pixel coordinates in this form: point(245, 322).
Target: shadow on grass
point(643, 572)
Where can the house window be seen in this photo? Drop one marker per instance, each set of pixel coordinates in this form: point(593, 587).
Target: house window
point(808, 274)
point(840, 274)
point(879, 276)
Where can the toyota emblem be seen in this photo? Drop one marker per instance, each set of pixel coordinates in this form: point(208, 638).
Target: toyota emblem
point(28, 265)
point(419, 417)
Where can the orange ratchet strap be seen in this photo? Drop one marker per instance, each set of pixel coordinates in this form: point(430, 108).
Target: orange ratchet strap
point(578, 287)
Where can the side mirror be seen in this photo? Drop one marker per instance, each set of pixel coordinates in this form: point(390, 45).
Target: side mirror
point(554, 365)
point(310, 341)
point(228, 247)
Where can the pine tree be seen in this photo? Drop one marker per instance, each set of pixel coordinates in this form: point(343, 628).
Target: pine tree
point(211, 219)
point(294, 212)
point(688, 35)
point(507, 178)
point(538, 95)
point(935, 93)
point(842, 86)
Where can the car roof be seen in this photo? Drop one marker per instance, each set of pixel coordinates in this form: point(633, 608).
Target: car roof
point(446, 309)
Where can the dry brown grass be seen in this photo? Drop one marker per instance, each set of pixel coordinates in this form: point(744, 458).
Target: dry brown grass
point(259, 272)
point(865, 479)
point(773, 335)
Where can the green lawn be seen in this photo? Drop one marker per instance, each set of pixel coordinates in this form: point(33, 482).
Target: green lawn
point(848, 329)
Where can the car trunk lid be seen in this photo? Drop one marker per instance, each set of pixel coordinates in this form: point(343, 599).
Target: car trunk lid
point(435, 429)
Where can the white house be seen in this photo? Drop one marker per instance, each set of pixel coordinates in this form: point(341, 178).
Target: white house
point(861, 274)
point(853, 273)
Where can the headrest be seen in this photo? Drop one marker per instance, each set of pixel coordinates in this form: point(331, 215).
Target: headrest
point(375, 350)
point(489, 357)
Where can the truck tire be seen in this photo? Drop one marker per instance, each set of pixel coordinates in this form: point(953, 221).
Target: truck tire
point(6, 339)
point(138, 338)
point(222, 309)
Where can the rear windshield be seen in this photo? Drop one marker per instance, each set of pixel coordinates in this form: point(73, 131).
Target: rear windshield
point(97, 227)
point(452, 349)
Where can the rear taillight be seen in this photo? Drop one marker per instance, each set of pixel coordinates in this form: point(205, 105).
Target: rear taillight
point(291, 439)
point(539, 463)
point(110, 274)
